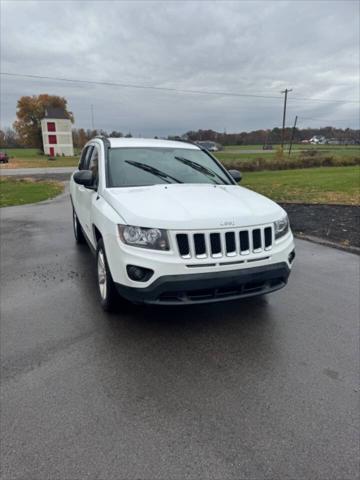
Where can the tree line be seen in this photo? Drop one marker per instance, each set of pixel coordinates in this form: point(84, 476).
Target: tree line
point(26, 131)
point(273, 136)
point(9, 138)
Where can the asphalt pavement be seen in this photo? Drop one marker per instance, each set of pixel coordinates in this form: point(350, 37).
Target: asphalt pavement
point(36, 171)
point(256, 389)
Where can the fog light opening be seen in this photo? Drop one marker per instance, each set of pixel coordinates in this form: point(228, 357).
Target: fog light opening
point(291, 256)
point(139, 274)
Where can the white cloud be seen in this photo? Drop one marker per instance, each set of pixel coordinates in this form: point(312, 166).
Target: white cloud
point(245, 47)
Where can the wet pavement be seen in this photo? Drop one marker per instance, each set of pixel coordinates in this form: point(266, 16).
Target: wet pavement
point(258, 389)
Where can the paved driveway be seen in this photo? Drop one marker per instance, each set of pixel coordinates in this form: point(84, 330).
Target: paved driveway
point(258, 389)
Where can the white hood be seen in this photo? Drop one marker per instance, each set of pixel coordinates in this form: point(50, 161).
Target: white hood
point(192, 206)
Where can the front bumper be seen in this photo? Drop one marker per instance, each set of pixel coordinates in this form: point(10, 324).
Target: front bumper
point(209, 287)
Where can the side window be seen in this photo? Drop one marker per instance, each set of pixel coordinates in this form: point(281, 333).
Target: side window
point(94, 164)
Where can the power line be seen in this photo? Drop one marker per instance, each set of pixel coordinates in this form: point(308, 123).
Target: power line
point(132, 85)
point(167, 89)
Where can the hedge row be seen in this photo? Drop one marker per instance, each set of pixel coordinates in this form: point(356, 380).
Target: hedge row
point(285, 163)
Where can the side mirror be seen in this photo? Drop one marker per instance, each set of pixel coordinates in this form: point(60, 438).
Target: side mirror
point(85, 178)
point(236, 175)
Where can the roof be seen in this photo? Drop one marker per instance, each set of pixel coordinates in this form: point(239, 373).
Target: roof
point(55, 112)
point(149, 142)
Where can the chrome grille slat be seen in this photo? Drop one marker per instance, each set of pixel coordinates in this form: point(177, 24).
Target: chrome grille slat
point(223, 244)
point(192, 248)
point(207, 243)
point(237, 242)
point(251, 245)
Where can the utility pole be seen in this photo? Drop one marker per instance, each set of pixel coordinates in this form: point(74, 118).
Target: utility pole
point(286, 91)
point(92, 116)
point(292, 135)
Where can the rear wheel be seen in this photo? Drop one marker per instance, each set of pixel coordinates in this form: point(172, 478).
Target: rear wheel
point(78, 233)
point(107, 290)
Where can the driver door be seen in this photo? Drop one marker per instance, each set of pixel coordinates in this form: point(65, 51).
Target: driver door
point(88, 195)
point(81, 193)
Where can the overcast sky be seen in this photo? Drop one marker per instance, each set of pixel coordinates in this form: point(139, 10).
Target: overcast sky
point(245, 47)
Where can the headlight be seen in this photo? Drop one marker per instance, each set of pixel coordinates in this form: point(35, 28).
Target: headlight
point(153, 238)
point(281, 227)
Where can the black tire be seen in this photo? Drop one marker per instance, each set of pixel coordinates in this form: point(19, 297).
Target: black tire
point(78, 233)
point(109, 298)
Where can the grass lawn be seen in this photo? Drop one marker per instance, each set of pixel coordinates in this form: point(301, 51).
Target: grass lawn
point(336, 185)
point(26, 190)
point(32, 157)
point(231, 154)
point(296, 146)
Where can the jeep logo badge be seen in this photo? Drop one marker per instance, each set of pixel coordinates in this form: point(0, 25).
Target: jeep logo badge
point(227, 223)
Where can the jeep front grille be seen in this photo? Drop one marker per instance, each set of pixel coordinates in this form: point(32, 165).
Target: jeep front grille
point(224, 244)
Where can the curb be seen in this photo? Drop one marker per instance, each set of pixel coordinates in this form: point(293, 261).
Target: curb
point(327, 243)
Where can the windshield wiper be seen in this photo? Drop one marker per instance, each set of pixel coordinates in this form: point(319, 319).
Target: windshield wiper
point(200, 168)
point(153, 170)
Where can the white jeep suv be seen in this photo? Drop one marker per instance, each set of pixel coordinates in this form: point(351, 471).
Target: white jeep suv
point(170, 225)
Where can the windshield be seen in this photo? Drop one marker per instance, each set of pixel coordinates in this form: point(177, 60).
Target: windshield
point(133, 167)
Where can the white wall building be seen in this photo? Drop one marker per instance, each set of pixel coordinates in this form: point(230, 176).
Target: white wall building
point(56, 133)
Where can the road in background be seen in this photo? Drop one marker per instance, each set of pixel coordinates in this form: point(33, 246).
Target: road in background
point(261, 389)
point(23, 172)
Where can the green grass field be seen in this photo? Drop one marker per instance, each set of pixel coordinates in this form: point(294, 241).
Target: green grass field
point(21, 191)
point(332, 185)
point(236, 153)
point(32, 157)
point(337, 185)
point(296, 146)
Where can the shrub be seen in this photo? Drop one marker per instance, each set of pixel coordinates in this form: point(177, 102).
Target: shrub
point(287, 163)
point(279, 154)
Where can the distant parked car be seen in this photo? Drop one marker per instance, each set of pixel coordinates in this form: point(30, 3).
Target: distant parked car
point(318, 140)
point(267, 147)
point(209, 146)
point(4, 158)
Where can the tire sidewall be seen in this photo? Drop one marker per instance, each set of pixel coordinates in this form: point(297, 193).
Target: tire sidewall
point(78, 233)
point(108, 302)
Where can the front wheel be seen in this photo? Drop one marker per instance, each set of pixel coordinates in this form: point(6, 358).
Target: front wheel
point(107, 289)
point(78, 233)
